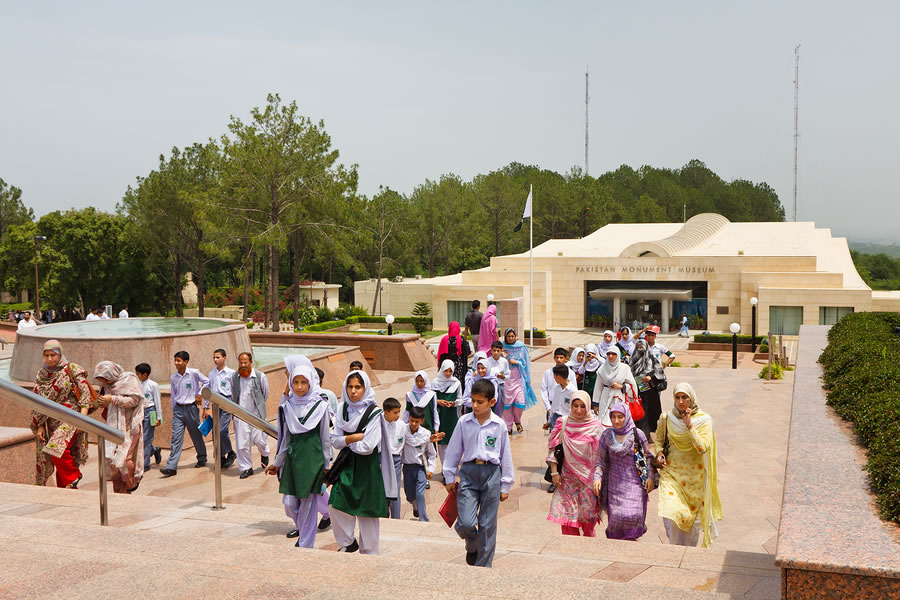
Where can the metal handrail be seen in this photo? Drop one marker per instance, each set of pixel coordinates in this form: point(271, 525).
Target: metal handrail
point(30, 400)
point(236, 411)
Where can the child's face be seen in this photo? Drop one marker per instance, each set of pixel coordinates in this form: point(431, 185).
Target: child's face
point(143, 376)
point(420, 382)
point(414, 424)
point(180, 364)
point(448, 373)
point(559, 359)
point(218, 360)
point(562, 381)
point(481, 405)
point(481, 370)
point(607, 338)
point(580, 356)
point(355, 389)
point(300, 385)
point(392, 415)
point(495, 353)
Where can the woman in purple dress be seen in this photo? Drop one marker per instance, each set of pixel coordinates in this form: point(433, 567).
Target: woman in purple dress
point(622, 476)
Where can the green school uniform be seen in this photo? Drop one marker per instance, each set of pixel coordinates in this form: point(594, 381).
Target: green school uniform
point(429, 413)
point(590, 380)
point(360, 488)
point(304, 466)
point(448, 415)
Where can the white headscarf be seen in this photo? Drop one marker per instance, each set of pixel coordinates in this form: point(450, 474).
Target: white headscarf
point(604, 346)
point(613, 371)
point(592, 364)
point(573, 362)
point(298, 417)
point(292, 361)
point(416, 391)
point(445, 385)
point(313, 393)
point(420, 397)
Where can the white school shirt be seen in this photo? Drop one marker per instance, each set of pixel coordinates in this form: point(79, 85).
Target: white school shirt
point(92, 317)
point(104, 316)
point(220, 381)
point(395, 431)
point(548, 383)
point(123, 314)
point(658, 350)
point(502, 366)
point(151, 396)
point(561, 403)
point(415, 446)
point(472, 440)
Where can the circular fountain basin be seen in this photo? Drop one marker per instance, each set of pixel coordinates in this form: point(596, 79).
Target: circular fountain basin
point(130, 342)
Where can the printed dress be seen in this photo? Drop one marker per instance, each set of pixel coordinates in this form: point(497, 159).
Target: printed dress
point(574, 503)
point(623, 497)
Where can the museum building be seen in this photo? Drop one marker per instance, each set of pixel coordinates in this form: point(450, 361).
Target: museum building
point(640, 273)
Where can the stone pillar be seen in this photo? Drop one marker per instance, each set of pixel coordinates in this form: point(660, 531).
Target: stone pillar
point(616, 316)
point(664, 323)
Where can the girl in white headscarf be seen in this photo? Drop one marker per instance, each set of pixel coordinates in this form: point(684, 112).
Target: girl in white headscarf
point(449, 393)
point(609, 339)
point(368, 481)
point(576, 363)
point(303, 452)
point(593, 359)
point(615, 383)
point(424, 397)
point(123, 398)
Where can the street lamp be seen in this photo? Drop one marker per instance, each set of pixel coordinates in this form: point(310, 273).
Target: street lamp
point(37, 293)
point(735, 328)
point(753, 302)
point(389, 319)
point(490, 298)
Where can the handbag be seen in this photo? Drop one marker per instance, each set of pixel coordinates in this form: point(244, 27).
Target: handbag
point(78, 391)
point(655, 461)
point(640, 461)
point(343, 457)
point(558, 454)
point(635, 406)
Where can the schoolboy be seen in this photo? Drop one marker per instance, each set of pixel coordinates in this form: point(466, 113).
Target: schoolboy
point(396, 430)
point(185, 385)
point(560, 356)
point(480, 443)
point(497, 361)
point(152, 413)
point(418, 461)
point(220, 383)
point(356, 366)
point(560, 395)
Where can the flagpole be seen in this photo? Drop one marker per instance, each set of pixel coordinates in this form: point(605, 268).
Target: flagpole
point(531, 267)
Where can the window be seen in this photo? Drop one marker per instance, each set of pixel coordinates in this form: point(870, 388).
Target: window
point(785, 320)
point(829, 315)
point(457, 310)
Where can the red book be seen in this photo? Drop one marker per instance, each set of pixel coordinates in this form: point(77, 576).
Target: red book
point(448, 509)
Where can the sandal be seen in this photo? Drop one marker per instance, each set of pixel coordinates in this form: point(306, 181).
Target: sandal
point(74, 484)
point(519, 427)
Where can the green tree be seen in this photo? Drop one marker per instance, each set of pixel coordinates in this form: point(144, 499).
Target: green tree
point(12, 211)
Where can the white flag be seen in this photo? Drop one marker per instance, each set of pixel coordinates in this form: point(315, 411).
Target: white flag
point(527, 212)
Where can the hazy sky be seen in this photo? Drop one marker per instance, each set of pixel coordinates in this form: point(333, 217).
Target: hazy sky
point(93, 92)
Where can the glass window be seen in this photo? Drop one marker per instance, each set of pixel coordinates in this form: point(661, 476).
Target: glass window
point(457, 310)
point(785, 320)
point(829, 315)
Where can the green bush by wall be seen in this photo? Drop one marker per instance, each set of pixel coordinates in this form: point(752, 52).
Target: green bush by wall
point(717, 338)
point(861, 368)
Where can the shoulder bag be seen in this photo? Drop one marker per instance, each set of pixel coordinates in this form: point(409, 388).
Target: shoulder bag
point(343, 457)
point(558, 454)
point(77, 391)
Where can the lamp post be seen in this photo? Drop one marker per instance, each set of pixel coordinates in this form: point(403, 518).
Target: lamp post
point(490, 299)
point(389, 319)
point(37, 292)
point(735, 328)
point(753, 302)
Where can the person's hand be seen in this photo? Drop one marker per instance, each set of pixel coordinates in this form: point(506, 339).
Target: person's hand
point(513, 361)
point(501, 376)
point(597, 486)
point(428, 475)
point(616, 386)
point(503, 496)
point(649, 485)
point(354, 437)
point(596, 410)
point(546, 425)
point(451, 487)
point(271, 470)
point(436, 437)
point(647, 379)
point(554, 477)
point(661, 458)
point(42, 434)
point(203, 413)
point(686, 419)
point(198, 399)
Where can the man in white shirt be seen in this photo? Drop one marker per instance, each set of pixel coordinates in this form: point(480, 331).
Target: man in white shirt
point(92, 315)
point(123, 314)
point(220, 383)
point(102, 314)
point(27, 323)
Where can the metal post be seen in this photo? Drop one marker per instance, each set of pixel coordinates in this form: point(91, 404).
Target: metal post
point(101, 465)
point(753, 327)
point(771, 351)
point(734, 351)
point(217, 442)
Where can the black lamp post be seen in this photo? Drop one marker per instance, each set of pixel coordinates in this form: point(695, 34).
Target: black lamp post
point(389, 319)
point(753, 302)
point(735, 328)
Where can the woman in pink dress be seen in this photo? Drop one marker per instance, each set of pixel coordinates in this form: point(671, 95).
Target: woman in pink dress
point(574, 505)
point(487, 335)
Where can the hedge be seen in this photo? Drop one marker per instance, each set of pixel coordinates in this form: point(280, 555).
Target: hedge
point(325, 326)
point(370, 319)
point(861, 372)
point(725, 338)
point(5, 308)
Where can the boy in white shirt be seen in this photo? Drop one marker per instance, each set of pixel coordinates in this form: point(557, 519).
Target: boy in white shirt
point(396, 430)
point(498, 364)
point(152, 413)
point(547, 382)
point(560, 395)
point(418, 461)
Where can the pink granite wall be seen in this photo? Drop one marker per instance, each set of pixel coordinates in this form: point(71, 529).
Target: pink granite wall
point(17, 455)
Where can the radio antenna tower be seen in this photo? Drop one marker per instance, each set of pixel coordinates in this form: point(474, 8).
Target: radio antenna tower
point(796, 130)
point(586, 100)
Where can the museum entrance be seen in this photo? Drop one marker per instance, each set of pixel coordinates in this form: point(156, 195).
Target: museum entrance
point(637, 304)
point(640, 313)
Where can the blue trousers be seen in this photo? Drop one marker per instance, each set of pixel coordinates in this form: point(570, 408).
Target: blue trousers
point(149, 448)
point(224, 424)
point(185, 416)
point(477, 501)
point(394, 506)
point(414, 485)
point(501, 396)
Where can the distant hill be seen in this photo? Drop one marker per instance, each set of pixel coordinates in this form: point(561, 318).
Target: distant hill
point(892, 250)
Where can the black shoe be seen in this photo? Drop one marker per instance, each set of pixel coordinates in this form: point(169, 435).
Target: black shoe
point(471, 558)
point(167, 472)
point(293, 533)
point(157, 455)
point(200, 464)
point(351, 548)
point(552, 488)
point(427, 485)
point(324, 524)
point(229, 459)
point(264, 460)
point(134, 489)
point(247, 473)
point(415, 512)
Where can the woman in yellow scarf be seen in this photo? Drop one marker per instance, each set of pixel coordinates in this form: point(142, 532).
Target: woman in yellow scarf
point(688, 485)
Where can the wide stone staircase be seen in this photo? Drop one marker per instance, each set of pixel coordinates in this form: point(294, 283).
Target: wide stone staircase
point(163, 547)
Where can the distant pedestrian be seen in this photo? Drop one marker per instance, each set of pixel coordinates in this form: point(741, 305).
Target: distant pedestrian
point(123, 314)
point(685, 332)
point(454, 347)
point(487, 333)
point(473, 323)
point(27, 323)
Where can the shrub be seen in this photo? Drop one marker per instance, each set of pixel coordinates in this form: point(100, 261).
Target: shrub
point(324, 314)
point(861, 371)
point(777, 372)
point(325, 326)
point(5, 308)
point(421, 317)
point(725, 338)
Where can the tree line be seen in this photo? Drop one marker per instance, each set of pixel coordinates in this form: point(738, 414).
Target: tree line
point(268, 203)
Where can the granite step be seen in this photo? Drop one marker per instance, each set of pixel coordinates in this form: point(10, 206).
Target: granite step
point(528, 560)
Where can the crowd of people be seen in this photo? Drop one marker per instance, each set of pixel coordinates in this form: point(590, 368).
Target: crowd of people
point(610, 444)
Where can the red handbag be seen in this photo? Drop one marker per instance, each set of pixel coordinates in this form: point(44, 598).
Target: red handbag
point(634, 405)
